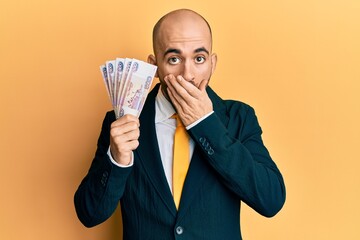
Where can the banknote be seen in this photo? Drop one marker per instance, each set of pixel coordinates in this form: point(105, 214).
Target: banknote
point(127, 82)
point(139, 80)
point(103, 71)
point(124, 81)
point(119, 69)
point(110, 66)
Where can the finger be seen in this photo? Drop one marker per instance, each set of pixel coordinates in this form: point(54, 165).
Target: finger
point(124, 128)
point(169, 82)
point(203, 85)
point(125, 119)
point(133, 144)
point(128, 147)
point(189, 87)
point(133, 135)
point(174, 100)
point(122, 142)
point(178, 91)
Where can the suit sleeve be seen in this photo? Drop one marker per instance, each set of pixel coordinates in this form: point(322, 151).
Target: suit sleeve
point(100, 191)
point(238, 155)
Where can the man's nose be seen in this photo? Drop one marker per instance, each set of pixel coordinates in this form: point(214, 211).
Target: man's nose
point(188, 71)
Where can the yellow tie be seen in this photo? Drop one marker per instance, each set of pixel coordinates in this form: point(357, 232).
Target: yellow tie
point(181, 159)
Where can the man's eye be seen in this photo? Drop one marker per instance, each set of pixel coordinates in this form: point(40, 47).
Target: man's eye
point(199, 59)
point(174, 60)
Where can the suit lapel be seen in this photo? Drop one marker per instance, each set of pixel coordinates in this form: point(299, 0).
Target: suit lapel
point(198, 167)
point(148, 152)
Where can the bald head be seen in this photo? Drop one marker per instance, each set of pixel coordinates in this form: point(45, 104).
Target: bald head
point(180, 21)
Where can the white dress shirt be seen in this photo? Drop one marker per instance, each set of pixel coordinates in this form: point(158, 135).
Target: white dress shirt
point(165, 129)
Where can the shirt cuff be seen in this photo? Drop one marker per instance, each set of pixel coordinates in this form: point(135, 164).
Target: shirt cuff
point(198, 121)
point(118, 164)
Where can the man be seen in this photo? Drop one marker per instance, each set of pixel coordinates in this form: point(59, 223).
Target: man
point(134, 159)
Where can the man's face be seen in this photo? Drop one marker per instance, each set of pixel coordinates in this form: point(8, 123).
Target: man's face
point(183, 47)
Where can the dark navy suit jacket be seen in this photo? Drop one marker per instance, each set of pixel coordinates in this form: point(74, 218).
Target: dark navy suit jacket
point(230, 164)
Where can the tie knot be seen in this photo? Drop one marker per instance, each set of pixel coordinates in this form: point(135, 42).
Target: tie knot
point(178, 120)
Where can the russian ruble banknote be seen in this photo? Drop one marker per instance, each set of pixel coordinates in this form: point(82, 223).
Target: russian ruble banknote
point(127, 82)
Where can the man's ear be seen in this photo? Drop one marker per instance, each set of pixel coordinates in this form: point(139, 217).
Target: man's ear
point(152, 60)
point(213, 62)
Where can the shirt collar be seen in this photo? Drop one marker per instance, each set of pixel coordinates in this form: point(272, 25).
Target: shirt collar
point(163, 108)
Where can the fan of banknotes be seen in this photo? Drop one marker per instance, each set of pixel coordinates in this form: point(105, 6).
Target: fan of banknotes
point(127, 82)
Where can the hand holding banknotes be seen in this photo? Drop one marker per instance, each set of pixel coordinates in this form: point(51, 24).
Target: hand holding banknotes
point(127, 82)
point(191, 102)
point(124, 134)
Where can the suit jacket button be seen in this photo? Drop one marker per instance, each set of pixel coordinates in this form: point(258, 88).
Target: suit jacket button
point(179, 230)
point(211, 151)
point(104, 178)
point(202, 140)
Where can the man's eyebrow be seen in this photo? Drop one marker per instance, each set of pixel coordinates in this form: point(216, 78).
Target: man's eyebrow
point(177, 51)
point(172, 50)
point(202, 49)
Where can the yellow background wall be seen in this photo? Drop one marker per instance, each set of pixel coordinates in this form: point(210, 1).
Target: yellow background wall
point(296, 62)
